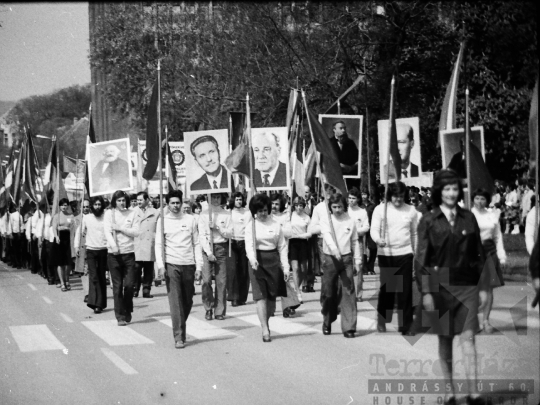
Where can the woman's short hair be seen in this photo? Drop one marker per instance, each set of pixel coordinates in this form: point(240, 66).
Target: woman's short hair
point(93, 200)
point(441, 180)
point(336, 199)
point(260, 202)
point(195, 206)
point(481, 192)
point(119, 194)
point(174, 193)
point(397, 188)
point(280, 198)
point(63, 201)
point(356, 193)
point(233, 198)
point(299, 201)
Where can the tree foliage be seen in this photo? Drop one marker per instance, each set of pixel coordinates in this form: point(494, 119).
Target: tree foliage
point(212, 57)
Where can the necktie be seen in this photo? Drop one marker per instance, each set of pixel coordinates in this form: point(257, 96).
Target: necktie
point(266, 182)
point(404, 172)
point(452, 218)
point(215, 184)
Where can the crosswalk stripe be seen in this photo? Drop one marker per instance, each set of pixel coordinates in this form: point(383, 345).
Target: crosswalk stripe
point(47, 300)
point(32, 286)
point(118, 361)
point(66, 318)
point(19, 276)
point(363, 323)
point(116, 335)
point(33, 338)
point(280, 325)
point(200, 329)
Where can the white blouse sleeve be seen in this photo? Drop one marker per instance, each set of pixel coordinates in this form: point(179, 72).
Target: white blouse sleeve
point(283, 249)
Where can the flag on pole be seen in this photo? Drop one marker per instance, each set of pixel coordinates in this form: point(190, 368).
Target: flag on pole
point(296, 157)
point(448, 113)
point(533, 133)
point(18, 175)
point(330, 168)
point(91, 138)
point(53, 179)
point(237, 162)
point(171, 169)
point(152, 136)
point(5, 196)
point(31, 170)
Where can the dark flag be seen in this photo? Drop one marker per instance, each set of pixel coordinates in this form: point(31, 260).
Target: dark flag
point(237, 162)
point(91, 138)
point(31, 170)
point(533, 133)
point(152, 136)
point(480, 176)
point(171, 175)
point(17, 178)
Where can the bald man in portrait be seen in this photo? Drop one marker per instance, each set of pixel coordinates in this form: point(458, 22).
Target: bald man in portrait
point(269, 171)
point(405, 141)
point(111, 173)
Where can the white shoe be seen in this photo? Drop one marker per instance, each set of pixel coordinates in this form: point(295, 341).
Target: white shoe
point(515, 231)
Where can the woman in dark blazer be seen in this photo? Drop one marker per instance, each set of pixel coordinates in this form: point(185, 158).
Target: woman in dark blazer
point(449, 262)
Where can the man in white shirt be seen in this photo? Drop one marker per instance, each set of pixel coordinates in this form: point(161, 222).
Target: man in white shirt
point(526, 206)
point(362, 228)
point(531, 227)
point(16, 226)
point(183, 258)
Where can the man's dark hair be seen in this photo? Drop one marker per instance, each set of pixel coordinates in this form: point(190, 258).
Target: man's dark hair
point(259, 202)
point(336, 199)
point(395, 189)
point(63, 201)
point(339, 122)
point(143, 193)
point(356, 193)
point(278, 197)
point(203, 139)
point(441, 180)
point(174, 193)
point(233, 198)
point(481, 192)
point(132, 197)
point(119, 194)
point(93, 201)
point(299, 201)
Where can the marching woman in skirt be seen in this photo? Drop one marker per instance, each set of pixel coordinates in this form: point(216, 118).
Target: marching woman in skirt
point(267, 258)
point(490, 232)
point(61, 225)
point(449, 263)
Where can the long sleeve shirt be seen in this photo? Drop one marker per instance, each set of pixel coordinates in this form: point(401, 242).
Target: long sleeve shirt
point(299, 225)
point(239, 221)
point(489, 226)
point(530, 229)
point(360, 215)
point(221, 231)
point(123, 241)
point(269, 237)
point(182, 246)
point(93, 232)
point(43, 230)
point(16, 222)
point(36, 218)
point(284, 220)
point(401, 224)
point(319, 215)
point(3, 220)
point(346, 237)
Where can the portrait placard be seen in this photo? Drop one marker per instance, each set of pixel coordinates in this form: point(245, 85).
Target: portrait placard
point(451, 148)
point(109, 167)
point(271, 158)
point(408, 138)
point(179, 158)
point(206, 152)
point(345, 133)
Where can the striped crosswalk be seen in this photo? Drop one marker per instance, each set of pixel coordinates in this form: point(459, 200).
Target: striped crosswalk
point(33, 338)
point(114, 335)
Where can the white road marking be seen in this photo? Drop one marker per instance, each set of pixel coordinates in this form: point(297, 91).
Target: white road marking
point(66, 318)
point(33, 338)
point(118, 361)
point(200, 329)
point(116, 335)
point(32, 286)
point(19, 276)
point(280, 325)
point(47, 300)
point(363, 323)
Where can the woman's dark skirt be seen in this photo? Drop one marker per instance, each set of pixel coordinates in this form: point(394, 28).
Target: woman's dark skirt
point(298, 249)
point(268, 281)
point(492, 267)
point(62, 250)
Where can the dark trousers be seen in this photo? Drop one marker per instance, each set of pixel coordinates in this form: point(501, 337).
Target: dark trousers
point(237, 272)
point(47, 262)
point(180, 282)
point(219, 301)
point(369, 264)
point(331, 297)
point(396, 283)
point(144, 274)
point(314, 264)
point(97, 285)
point(122, 268)
point(35, 262)
point(15, 251)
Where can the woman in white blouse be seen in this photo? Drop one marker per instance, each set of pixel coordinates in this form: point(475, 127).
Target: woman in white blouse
point(267, 253)
point(298, 244)
point(491, 235)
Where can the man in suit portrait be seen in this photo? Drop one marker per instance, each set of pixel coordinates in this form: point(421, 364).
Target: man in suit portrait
point(111, 173)
point(269, 171)
point(405, 140)
point(345, 148)
point(457, 163)
point(205, 150)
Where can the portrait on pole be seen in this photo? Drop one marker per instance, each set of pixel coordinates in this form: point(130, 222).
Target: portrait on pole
point(270, 158)
point(453, 148)
point(205, 153)
point(345, 133)
point(109, 166)
point(408, 140)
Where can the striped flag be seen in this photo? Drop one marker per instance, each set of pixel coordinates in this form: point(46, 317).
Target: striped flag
point(171, 169)
point(31, 173)
point(448, 113)
point(296, 158)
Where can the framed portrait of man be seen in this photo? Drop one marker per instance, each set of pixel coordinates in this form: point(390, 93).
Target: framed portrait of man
point(408, 139)
point(453, 148)
point(345, 133)
point(205, 153)
point(271, 158)
point(109, 167)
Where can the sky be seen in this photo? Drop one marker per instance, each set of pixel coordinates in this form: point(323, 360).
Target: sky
point(43, 47)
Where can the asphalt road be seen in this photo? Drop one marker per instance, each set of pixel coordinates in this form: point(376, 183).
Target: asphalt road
point(55, 350)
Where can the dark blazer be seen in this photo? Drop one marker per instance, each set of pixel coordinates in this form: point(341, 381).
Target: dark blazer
point(117, 173)
point(446, 255)
point(534, 261)
point(280, 179)
point(348, 155)
point(202, 182)
point(392, 174)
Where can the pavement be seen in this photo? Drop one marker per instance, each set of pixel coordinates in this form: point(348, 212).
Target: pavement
point(55, 350)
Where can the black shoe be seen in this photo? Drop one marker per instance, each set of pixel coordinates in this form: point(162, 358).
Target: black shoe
point(326, 330)
point(241, 303)
point(235, 303)
point(450, 401)
point(381, 327)
point(267, 339)
point(219, 317)
point(136, 294)
point(349, 334)
point(286, 313)
point(98, 310)
point(147, 295)
point(408, 333)
point(478, 401)
point(305, 289)
point(293, 311)
point(85, 297)
point(179, 344)
point(128, 318)
point(208, 315)
point(122, 323)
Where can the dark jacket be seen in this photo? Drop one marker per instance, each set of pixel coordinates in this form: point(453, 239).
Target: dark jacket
point(348, 154)
point(280, 179)
point(202, 182)
point(534, 261)
point(369, 207)
point(446, 256)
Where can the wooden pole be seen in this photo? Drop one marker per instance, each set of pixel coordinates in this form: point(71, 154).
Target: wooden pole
point(250, 158)
point(368, 146)
point(387, 174)
point(161, 214)
point(467, 150)
point(210, 212)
